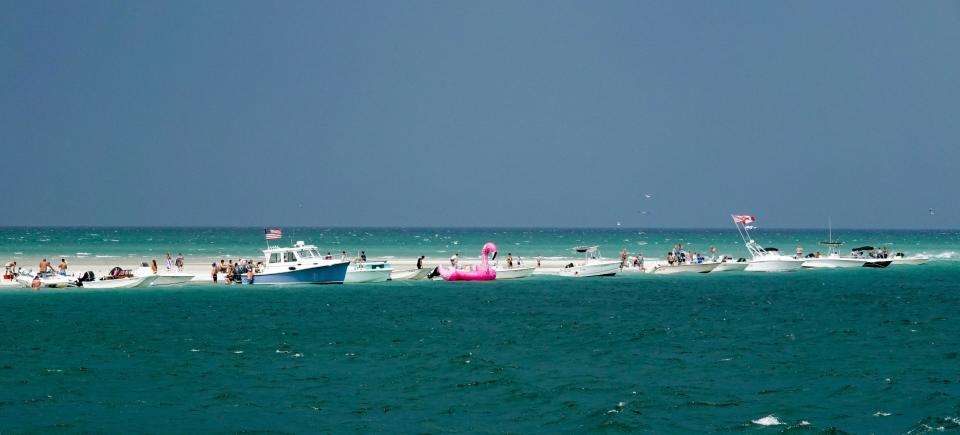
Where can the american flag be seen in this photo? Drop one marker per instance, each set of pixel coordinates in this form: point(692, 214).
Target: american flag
point(744, 219)
point(273, 233)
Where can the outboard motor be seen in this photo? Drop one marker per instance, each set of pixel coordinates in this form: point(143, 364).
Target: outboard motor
point(85, 277)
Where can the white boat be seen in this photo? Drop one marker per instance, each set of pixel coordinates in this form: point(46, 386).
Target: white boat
point(899, 258)
point(368, 271)
point(300, 264)
point(861, 253)
point(667, 269)
point(728, 264)
point(515, 272)
point(593, 264)
point(833, 259)
point(121, 282)
point(47, 279)
point(409, 275)
point(164, 278)
point(763, 260)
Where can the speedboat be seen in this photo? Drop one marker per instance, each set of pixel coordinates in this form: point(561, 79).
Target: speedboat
point(833, 259)
point(410, 275)
point(763, 259)
point(593, 264)
point(770, 260)
point(918, 259)
point(515, 272)
point(300, 264)
point(668, 269)
point(869, 260)
point(369, 271)
point(47, 279)
point(120, 282)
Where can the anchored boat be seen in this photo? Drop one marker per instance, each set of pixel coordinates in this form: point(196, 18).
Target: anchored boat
point(592, 265)
point(299, 264)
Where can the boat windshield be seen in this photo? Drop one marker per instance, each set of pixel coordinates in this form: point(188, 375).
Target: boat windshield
point(315, 253)
point(304, 253)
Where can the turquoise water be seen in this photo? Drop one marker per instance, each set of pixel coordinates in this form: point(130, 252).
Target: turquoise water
point(839, 350)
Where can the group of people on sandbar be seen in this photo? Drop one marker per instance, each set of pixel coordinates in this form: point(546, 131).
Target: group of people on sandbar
point(240, 272)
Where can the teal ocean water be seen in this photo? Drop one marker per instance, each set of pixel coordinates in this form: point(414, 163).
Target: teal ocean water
point(858, 351)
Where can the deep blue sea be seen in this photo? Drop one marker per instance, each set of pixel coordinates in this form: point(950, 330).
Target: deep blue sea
point(855, 351)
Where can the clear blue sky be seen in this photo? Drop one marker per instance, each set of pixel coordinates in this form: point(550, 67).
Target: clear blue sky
point(539, 113)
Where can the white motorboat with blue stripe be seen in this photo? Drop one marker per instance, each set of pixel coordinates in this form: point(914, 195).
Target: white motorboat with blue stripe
point(300, 264)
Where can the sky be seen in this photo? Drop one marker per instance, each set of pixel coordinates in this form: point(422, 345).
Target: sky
point(493, 113)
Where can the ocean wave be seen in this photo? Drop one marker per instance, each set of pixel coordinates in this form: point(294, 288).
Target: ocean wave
point(770, 420)
point(83, 253)
point(106, 256)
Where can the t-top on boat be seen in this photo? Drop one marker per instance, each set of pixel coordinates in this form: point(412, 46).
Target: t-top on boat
point(300, 264)
point(833, 259)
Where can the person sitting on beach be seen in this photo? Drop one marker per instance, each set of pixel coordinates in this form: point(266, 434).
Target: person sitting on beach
point(63, 267)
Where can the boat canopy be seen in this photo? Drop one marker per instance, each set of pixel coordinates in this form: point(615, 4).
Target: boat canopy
point(771, 249)
point(863, 248)
point(831, 243)
point(582, 249)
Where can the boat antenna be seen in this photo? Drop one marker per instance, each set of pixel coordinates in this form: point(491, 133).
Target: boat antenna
point(830, 228)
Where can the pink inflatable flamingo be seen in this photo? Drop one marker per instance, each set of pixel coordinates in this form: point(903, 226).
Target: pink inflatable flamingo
point(481, 272)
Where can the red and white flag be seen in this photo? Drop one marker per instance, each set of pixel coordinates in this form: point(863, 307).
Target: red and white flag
point(273, 233)
point(744, 219)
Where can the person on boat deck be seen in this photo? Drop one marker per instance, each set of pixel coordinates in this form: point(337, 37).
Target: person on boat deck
point(713, 253)
point(363, 256)
point(153, 266)
point(35, 284)
point(169, 261)
point(63, 267)
point(343, 255)
point(509, 260)
point(213, 271)
point(44, 265)
point(816, 254)
point(623, 257)
point(671, 259)
point(328, 256)
point(456, 259)
point(420, 262)
point(799, 252)
point(250, 276)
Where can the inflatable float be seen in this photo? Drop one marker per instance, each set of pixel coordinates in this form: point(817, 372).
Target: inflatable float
point(480, 272)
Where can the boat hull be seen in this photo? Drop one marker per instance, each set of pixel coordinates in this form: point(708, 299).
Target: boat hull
point(367, 275)
point(322, 274)
point(140, 282)
point(686, 268)
point(773, 265)
point(409, 275)
point(730, 266)
point(515, 272)
point(877, 262)
point(605, 268)
point(172, 279)
point(832, 263)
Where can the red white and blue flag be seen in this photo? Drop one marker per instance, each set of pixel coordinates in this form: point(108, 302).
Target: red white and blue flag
point(273, 233)
point(744, 219)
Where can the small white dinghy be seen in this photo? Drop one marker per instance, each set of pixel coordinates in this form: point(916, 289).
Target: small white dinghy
point(368, 271)
point(409, 275)
point(516, 272)
point(728, 264)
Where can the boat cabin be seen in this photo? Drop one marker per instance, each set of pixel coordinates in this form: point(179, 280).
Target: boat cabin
point(292, 256)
